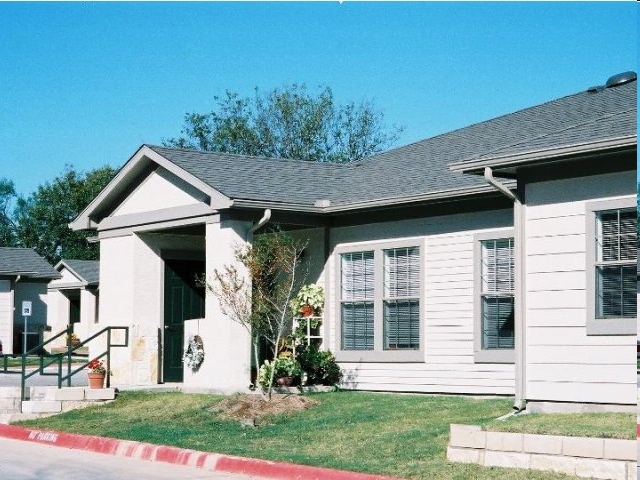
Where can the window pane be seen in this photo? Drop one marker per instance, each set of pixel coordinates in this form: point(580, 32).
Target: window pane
point(616, 235)
point(402, 272)
point(616, 291)
point(497, 323)
point(357, 326)
point(357, 276)
point(497, 286)
point(401, 324)
point(497, 266)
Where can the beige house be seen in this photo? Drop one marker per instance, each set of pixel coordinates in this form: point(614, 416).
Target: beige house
point(73, 298)
point(495, 259)
point(24, 276)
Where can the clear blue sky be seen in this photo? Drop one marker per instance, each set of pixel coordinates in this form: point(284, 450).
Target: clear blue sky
point(87, 83)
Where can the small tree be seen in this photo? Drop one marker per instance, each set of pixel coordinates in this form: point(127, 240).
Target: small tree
point(261, 302)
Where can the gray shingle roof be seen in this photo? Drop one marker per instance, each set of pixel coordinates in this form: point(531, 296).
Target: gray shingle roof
point(26, 262)
point(87, 270)
point(422, 167)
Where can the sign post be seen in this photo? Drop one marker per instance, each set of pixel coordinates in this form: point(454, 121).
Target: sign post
point(26, 313)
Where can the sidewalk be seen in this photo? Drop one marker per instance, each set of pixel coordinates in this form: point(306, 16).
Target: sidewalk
point(212, 462)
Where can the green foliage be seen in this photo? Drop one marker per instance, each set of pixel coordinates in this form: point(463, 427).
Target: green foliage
point(42, 219)
point(288, 123)
point(283, 366)
point(312, 295)
point(319, 365)
point(7, 225)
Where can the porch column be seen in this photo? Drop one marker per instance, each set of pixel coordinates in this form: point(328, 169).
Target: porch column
point(228, 347)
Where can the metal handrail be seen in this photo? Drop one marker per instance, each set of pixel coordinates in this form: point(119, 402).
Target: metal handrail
point(58, 357)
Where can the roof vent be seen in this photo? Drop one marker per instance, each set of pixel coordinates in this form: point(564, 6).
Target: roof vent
point(621, 79)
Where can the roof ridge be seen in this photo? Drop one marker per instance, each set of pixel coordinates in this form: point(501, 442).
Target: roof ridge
point(252, 157)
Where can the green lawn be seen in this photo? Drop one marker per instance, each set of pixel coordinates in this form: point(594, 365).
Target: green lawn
point(400, 435)
point(610, 425)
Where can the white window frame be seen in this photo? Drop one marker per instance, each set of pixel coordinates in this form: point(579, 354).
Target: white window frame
point(603, 326)
point(378, 353)
point(506, 355)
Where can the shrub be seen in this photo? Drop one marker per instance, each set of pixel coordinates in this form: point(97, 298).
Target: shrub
point(319, 365)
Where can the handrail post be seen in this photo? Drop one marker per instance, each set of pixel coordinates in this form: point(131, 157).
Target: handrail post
point(108, 358)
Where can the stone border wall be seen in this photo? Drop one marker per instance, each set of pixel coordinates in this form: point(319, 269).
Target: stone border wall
point(581, 456)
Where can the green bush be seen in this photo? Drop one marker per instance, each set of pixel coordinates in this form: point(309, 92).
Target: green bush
point(285, 366)
point(319, 365)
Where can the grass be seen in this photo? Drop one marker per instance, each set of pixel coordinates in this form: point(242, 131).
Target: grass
point(16, 362)
point(398, 435)
point(610, 425)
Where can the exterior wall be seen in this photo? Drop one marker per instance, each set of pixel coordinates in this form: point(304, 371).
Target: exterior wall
point(159, 185)
point(448, 365)
point(57, 314)
point(6, 316)
point(36, 292)
point(563, 362)
point(132, 294)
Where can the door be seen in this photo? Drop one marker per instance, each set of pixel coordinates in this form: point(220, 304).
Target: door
point(183, 299)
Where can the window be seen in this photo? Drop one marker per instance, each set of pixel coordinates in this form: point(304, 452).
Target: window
point(380, 304)
point(495, 303)
point(612, 251)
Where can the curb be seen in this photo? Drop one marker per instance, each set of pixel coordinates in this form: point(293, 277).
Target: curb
point(178, 456)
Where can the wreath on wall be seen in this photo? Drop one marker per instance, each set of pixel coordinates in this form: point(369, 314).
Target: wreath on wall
point(194, 355)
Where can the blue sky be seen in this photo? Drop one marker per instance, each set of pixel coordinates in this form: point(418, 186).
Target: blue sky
point(87, 83)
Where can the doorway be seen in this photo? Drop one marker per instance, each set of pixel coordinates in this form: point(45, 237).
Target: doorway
point(183, 300)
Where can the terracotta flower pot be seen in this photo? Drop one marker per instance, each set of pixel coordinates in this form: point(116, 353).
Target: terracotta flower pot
point(307, 310)
point(96, 380)
point(285, 381)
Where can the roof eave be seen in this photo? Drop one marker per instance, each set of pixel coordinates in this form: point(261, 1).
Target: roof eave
point(545, 156)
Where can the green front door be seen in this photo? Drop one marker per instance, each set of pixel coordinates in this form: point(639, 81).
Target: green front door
point(183, 299)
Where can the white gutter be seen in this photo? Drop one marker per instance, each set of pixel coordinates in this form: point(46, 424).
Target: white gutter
point(265, 218)
point(520, 312)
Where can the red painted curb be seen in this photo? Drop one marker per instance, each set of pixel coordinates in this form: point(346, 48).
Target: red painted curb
point(206, 461)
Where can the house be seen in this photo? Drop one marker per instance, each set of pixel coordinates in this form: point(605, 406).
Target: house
point(24, 276)
point(493, 259)
point(73, 298)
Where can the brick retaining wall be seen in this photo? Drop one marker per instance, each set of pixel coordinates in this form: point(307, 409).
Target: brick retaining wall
point(581, 456)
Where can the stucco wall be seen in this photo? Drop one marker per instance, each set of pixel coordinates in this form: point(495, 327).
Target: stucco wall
point(448, 364)
point(564, 363)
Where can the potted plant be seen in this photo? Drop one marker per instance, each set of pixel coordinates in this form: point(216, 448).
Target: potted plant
point(96, 374)
point(73, 339)
point(287, 371)
point(309, 301)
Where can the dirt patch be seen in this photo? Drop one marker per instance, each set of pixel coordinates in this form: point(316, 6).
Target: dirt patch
point(240, 407)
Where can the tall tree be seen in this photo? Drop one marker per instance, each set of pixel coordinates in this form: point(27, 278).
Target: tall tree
point(42, 218)
point(7, 225)
point(288, 123)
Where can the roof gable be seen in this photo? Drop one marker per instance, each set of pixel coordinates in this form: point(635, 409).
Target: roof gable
point(78, 273)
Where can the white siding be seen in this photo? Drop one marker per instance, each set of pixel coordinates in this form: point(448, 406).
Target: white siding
point(6, 315)
point(563, 362)
point(448, 311)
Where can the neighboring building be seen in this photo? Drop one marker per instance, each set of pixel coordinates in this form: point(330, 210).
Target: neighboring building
point(24, 276)
point(73, 298)
point(437, 280)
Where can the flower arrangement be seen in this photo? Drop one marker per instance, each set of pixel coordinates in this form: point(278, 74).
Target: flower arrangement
point(194, 355)
point(309, 300)
point(96, 366)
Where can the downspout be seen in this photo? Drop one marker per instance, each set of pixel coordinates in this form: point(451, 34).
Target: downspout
point(265, 218)
point(520, 312)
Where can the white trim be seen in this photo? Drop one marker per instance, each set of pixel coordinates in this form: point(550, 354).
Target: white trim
point(378, 354)
point(480, 355)
point(603, 326)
